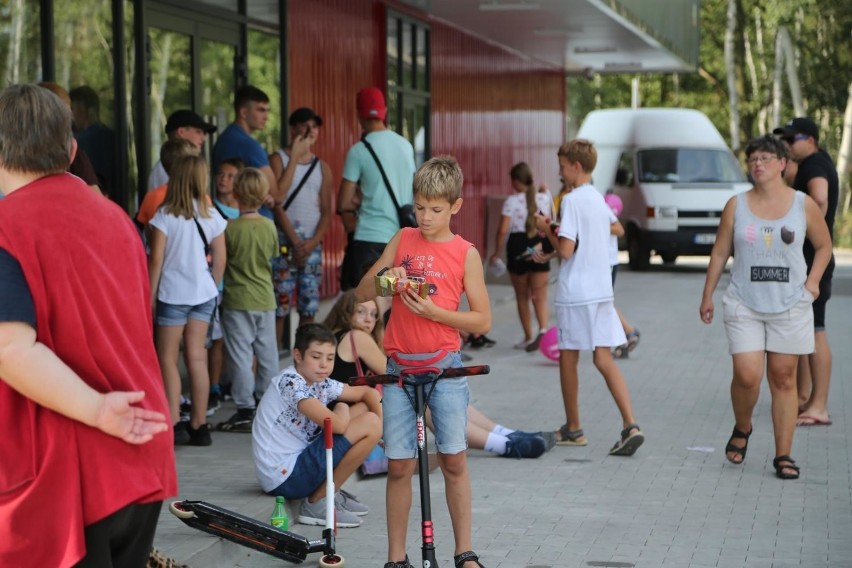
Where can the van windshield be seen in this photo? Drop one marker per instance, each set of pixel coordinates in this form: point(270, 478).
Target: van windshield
point(679, 165)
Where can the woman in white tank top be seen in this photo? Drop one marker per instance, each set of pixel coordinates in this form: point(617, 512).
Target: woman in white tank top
point(767, 307)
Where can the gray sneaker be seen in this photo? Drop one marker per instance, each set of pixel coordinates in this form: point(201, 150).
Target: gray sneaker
point(348, 502)
point(314, 514)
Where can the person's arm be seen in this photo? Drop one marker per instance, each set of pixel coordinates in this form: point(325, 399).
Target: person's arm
point(500, 237)
point(817, 232)
point(369, 351)
point(220, 257)
point(282, 221)
point(818, 191)
point(317, 412)
point(616, 229)
point(274, 193)
point(34, 371)
point(366, 289)
point(346, 199)
point(157, 244)
point(368, 395)
point(718, 257)
point(477, 319)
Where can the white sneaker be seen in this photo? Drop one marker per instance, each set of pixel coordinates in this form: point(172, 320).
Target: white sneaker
point(523, 344)
point(314, 514)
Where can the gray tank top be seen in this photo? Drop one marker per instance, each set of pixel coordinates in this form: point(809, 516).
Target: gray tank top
point(769, 269)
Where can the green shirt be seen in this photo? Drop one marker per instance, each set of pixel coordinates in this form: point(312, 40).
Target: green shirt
point(251, 243)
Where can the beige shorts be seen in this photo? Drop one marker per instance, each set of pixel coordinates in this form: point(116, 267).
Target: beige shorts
point(583, 328)
point(790, 332)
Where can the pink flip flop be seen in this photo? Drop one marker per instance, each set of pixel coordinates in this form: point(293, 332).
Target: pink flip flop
point(807, 420)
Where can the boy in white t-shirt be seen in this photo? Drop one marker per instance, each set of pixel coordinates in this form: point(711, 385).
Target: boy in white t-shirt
point(287, 440)
point(585, 311)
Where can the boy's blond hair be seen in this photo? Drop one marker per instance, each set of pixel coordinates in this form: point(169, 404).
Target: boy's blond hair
point(439, 178)
point(582, 151)
point(251, 187)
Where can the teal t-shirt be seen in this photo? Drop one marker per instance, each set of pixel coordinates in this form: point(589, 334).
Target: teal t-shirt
point(251, 244)
point(377, 218)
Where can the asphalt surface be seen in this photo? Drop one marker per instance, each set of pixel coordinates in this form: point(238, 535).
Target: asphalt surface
point(677, 503)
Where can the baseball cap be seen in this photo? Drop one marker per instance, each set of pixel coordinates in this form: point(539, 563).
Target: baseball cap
point(185, 117)
point(304, 114)
point(800, 125)
point(371, 104)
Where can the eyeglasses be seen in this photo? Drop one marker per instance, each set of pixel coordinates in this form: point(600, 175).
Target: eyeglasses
point(761, 160)
point(794, 139)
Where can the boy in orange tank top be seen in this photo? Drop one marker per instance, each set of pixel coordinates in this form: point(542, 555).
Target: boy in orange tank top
point(428, 330)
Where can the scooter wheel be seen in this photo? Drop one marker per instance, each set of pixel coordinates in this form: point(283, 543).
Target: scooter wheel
point(331, 561)
point(176, 510)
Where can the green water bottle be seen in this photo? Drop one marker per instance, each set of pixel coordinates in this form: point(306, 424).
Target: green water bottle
point(279, 515)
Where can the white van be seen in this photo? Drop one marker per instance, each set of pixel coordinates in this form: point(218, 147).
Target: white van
point(673, 171)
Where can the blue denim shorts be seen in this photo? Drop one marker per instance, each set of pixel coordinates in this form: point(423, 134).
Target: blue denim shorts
point(309, 472)
point(178, 314)
point(448, 402)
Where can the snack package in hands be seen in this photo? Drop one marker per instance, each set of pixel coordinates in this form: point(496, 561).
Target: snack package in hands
point(387, 285)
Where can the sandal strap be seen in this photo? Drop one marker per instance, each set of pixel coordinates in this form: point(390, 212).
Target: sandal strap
point(464, 557)
point(626, 432)
point(567, 434)
point(740, 434)
point(404, 564)
point(785, 462)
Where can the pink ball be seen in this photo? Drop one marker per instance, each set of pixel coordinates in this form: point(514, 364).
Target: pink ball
point(614, 203)
point(549, 345)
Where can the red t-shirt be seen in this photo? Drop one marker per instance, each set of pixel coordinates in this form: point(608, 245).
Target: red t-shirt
point(85, 268)
point(442, 265)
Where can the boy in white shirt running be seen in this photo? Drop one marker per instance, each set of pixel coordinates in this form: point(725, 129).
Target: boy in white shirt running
point(585, 311)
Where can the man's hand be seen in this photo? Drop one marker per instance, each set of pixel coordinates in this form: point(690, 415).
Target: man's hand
point(117, 417)
point(301, 147)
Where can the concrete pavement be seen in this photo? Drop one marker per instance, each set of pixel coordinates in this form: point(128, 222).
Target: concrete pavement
point(677, 503)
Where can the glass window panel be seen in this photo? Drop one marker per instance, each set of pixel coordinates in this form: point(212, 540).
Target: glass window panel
point(393, 51)
point(171, 81)
point(84, 64)
point(20, 42)
point(264, 72)
point(422, 76)
point(225, 4)
point(393, 109)
point(407, 55)
point(217, 81)
point(265, 11)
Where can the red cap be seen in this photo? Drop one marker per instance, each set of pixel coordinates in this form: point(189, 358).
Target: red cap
point(371, 104)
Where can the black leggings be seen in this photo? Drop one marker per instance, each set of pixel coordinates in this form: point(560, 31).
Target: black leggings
point(123, 539)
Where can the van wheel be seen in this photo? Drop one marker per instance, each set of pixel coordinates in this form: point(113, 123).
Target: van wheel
point(668, 257)
point(638, 253)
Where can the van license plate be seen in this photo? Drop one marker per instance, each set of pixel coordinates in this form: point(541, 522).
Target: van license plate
point(705, 238)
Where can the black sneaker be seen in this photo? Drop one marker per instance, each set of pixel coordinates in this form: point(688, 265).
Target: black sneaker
point(199, 436)
point(214, 402)
point(479, 341)
point(525, 447)
point(239, 422)
point(181, 434)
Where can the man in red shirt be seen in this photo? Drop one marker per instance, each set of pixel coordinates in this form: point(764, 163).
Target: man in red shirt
point(87, 460)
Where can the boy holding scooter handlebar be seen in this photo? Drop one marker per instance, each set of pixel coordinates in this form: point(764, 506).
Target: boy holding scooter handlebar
point(424, 332)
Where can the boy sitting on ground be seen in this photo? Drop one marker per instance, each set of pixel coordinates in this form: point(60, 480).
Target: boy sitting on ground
point(289, 449)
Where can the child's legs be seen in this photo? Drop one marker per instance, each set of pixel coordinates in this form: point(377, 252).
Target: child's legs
point(569, 381)
point(615, 382)
point(363, 434)
point(308, 474)
point(195, 357)
point(238, 349)
point(265, 350)
point(167, 339)
point(457, 480)
point(309, 282)
point(478, 419)
point(538, 288)
point(216, 353)
point(520, 282)
point(284, 284)
point(398, 505)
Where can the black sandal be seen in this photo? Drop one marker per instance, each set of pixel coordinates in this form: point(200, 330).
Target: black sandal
point(785, 462)
point(465, 557)
point(404, 564)
point(570, 437)
point(740, 451)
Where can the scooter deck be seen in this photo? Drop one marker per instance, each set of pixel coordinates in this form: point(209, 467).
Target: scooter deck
point(250, 532)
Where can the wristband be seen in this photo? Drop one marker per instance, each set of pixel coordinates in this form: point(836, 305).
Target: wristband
point(382, 271)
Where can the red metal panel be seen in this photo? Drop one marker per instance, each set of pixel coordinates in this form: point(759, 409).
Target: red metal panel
point(490, 108)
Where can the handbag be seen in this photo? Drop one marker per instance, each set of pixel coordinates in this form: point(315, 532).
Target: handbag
point(405, 213)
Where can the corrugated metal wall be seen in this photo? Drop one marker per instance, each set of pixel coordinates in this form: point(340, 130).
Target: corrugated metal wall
point(490, 108)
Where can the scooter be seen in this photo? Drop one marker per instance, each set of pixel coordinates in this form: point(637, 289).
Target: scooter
point(265, 538)
point(420, 378)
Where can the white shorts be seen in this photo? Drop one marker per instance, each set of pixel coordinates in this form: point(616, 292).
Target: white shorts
point(790, 332)
point(583, 328)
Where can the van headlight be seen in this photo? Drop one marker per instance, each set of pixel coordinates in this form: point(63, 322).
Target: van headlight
point(661, 212)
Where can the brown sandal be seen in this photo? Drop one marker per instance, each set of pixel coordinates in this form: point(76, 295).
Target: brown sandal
point(570, 437)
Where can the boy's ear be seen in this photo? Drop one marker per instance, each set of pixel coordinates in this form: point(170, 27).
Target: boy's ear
point(454, 208)
point(297, 356)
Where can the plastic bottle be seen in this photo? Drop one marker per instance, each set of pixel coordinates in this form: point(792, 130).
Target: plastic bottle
point(279, 518)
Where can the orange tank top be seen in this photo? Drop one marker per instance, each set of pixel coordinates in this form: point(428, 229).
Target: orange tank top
point(442, 265)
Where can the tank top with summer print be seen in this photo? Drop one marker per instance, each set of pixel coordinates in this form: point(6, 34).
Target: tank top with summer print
point(769, 270)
